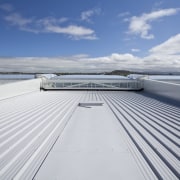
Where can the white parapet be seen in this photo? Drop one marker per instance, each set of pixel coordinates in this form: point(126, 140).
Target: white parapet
point(165, 89)
point(18, 88)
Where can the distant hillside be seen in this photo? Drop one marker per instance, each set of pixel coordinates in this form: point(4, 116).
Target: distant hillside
point(119, 72)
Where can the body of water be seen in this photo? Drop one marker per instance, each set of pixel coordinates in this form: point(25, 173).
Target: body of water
point(9, 78)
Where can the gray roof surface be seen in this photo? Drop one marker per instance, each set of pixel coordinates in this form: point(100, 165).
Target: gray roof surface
point(46, 135)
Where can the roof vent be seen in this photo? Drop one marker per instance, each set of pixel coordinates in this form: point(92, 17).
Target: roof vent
point(91, 103)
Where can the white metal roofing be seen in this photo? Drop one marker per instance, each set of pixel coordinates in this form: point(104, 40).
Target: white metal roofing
point(46, 135)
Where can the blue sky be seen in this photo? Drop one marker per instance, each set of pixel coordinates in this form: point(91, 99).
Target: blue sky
point(91, 35)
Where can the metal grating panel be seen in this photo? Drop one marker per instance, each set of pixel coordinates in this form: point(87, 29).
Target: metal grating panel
point(101, 84)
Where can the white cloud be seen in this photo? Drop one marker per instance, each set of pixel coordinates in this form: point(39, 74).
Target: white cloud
point(141, 25)
point(51, 20)
point(50, 25)
point(6, 7)
point(71, 30)
point(17, 19)
point(98, 64)
point(86, 15)
point(135, 50)
point(169, 47)
point(24, 24)
point(86, 37)
point(123, 14)
point(157, 60)
point(158, 4)
point(78, 32)
point(167, 53)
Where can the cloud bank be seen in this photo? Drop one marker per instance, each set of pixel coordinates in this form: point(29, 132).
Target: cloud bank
point(164, 57)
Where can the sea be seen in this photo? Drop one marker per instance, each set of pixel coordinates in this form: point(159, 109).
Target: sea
point(10, 78)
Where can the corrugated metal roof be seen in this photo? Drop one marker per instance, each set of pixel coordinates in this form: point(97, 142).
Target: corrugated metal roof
point(33, 127)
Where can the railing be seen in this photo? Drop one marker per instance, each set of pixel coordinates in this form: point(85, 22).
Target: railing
point(69, 84)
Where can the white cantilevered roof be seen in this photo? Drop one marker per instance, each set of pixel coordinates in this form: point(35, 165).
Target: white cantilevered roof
point(46, 135)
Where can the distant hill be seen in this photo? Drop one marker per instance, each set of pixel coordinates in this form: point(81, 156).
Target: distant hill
point(119, 72)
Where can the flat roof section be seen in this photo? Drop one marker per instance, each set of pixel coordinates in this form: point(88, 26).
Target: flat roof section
point(91, 147)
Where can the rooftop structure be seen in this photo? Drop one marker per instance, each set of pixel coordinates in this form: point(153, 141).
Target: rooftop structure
point(91, 82)
point(89, 134)
point(89, 77)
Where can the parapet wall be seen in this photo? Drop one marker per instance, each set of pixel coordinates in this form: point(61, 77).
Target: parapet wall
point(164, 89)
point(19, 88)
